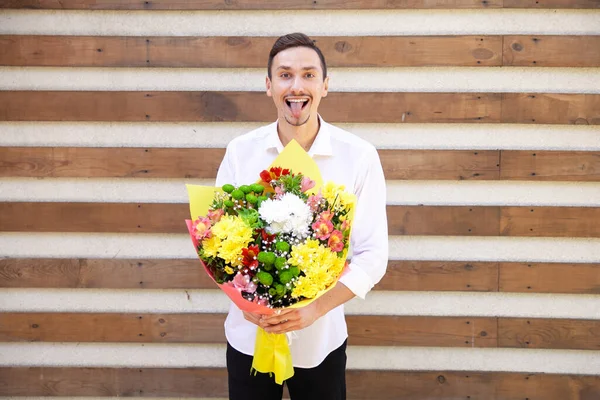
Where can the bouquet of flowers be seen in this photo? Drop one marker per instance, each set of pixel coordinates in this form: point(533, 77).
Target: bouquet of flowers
point(279, 242)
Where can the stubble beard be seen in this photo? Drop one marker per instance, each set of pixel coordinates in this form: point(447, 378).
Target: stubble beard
point(298, 123)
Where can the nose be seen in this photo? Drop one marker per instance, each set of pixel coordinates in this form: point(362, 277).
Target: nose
point(297, 88)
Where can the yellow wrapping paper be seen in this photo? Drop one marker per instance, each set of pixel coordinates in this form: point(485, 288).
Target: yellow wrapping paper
point(272, 353)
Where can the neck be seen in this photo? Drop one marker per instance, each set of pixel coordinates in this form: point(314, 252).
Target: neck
point(304, 134)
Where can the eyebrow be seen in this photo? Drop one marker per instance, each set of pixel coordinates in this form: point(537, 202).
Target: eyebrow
point(311, 67)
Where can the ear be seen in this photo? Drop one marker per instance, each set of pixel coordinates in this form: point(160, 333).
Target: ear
point(268, 84)
point(325, 87)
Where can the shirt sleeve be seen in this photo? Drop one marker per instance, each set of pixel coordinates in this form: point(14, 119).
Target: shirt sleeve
point(226, 172)
point(369, 240)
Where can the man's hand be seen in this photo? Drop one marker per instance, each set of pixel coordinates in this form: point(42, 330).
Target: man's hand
point(290, 319)
point(252, 317)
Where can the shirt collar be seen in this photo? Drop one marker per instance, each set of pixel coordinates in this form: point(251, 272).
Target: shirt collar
point(320, 147)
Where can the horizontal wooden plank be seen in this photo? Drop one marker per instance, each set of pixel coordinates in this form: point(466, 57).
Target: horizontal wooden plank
point(109, 162)
point(291, 5)
point(203, 163)
point(245, 52)
point(438, 276)
point(550, 221)
point(444, 220)
point(248, 4)
point(551, 4)
point(208, 328)
point(551, 108)
point(549, 333)
point(402, 220)
point(549, 278)
point(550, 165)
point(212, 382)
point(551, 51)
point(244, 106)
point(187, 274)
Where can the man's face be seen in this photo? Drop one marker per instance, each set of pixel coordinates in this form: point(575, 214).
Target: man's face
point(297, 85)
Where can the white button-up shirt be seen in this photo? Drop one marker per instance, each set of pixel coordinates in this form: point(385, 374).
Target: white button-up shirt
point(344, 159)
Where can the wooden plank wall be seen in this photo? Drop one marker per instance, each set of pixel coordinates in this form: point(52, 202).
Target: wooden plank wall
point(493, 281)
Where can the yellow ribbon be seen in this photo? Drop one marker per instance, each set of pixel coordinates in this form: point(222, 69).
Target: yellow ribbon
point(272, 355)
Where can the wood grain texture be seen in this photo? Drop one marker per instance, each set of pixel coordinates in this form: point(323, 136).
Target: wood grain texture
point(439, 276)
point(244, 106)
point(81, 162)
point(551, 51)
point(551, 108)
point(208, 328)
point(549, 333)
point(105, 162)
point(361, 384)
point(245, 51)
point(550, 165)
point(443, 164)
point(577, 4)
point(444, 220)
point(550, 278)
point(550, 221)
point(251, 4)
point(101, 273)
point(402, 220)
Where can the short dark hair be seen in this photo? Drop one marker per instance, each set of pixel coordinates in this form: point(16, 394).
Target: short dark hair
point(295, 40)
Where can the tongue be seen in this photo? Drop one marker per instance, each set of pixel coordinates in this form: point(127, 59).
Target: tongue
point(296, 109)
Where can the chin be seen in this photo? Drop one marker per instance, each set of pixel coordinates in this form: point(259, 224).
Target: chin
point(298, 122)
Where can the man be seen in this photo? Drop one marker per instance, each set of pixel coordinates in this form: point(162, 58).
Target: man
point(297, 80)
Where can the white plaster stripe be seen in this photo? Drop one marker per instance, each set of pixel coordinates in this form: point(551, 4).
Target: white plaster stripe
point(444, 248)
point(326, 22)
point(409, 79)
point(150, 355)
point(383, 136)
point(460, 304)
point(471, 193)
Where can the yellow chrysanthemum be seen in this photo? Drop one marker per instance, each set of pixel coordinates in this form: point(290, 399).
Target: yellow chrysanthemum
point(229, 270)
point(211, 246)
point(336, 194)
point(320, 266)
point(229, 236)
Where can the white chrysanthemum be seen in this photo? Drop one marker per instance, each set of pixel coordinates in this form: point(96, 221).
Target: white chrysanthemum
point(289, 214)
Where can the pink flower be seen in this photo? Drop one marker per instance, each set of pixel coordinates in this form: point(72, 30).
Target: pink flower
point(215, 215)
point(322, 229)
point(244, 283)
point(260, 302)
point(313, 202)
point(278, 192)
point(336, 241)
point(345, 225)
point(306, 184)
point(326, 215)
point(202, 228)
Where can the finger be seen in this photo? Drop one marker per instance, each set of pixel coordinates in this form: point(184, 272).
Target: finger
point(276, 319)
point(284, 327)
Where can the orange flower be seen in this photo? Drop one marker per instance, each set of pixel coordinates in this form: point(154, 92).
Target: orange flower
point(336, 241)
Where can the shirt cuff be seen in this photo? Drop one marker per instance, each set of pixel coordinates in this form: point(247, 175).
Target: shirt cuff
point(357, 281)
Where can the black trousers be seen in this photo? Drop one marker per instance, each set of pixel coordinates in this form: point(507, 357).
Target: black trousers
point(327, 381)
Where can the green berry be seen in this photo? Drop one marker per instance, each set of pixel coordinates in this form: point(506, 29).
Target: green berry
point(265, 278)
point(285, 276)
point(245, 188)
point(272, 291)
point(282, 246)
point(237, 194)
point(257, 188)
point(252, 199)
point(266, 257)
point(280, 289)
point(228, 203)
point(280, 263)
point(228, 188)
point(295, 271)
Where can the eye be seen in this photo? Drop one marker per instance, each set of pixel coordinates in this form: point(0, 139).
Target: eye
point(310, 75)
point(285, 75)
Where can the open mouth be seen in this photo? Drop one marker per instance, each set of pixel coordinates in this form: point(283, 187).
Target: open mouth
point(296, 105)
